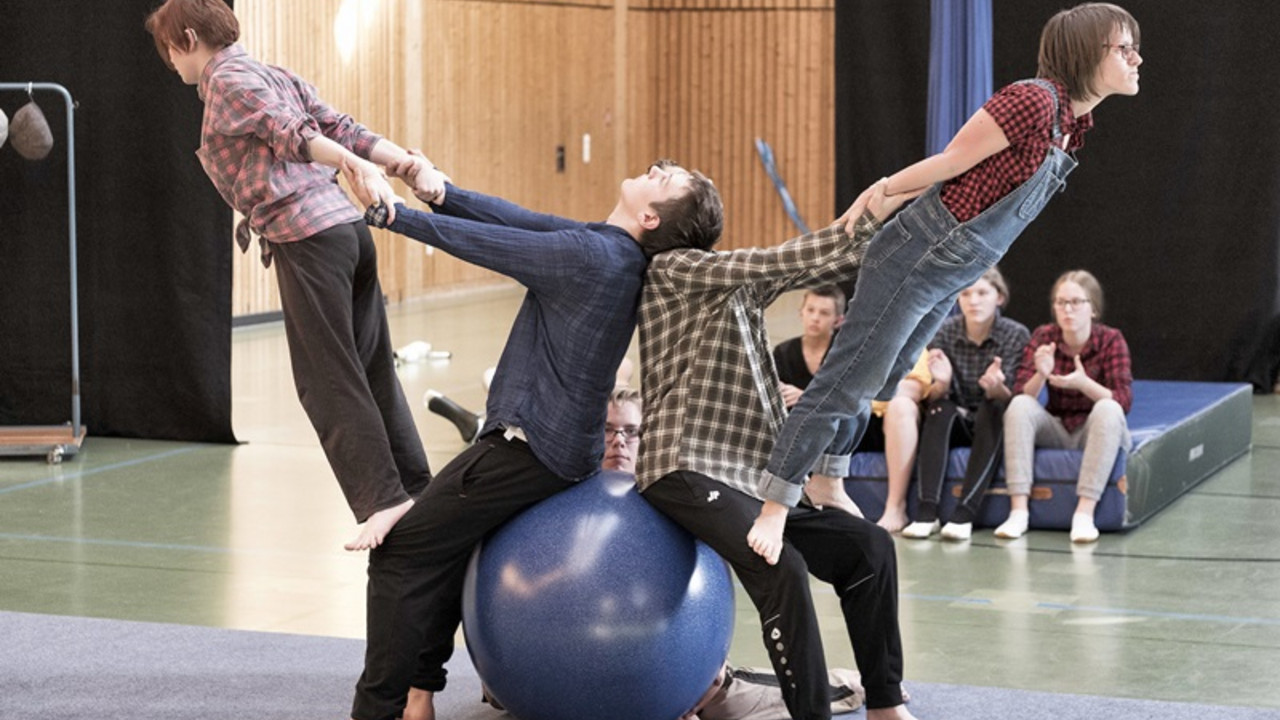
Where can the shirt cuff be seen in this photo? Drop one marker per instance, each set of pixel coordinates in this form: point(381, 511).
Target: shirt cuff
point(364, 143)
point(867, 224)
point(780, 491)
point(376, 215)
point(303, 147)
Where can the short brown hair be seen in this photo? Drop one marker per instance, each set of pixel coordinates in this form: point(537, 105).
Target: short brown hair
point(212, 20)
point(695, 219)
point(1074, 42)
point(828, 291)
point(1087, 282)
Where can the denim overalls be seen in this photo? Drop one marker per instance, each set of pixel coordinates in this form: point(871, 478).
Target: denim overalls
point(914, 270)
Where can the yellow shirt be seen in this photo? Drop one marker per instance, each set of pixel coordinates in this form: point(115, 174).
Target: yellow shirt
point(920, 373)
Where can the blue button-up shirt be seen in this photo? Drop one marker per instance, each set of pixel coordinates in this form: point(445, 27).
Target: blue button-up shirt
point(573, 328)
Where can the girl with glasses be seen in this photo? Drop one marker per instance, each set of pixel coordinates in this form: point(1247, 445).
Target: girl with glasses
point(1085, 366)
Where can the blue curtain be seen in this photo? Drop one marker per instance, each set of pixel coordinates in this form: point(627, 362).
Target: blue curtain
point(959, 67)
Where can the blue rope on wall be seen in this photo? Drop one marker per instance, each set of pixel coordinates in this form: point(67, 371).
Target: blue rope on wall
point(771, 168)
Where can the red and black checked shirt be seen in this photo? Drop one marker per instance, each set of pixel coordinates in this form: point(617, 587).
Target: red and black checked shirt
point(1105, 358)
point(258, 120)
point(711, 398)
point(1024, 111)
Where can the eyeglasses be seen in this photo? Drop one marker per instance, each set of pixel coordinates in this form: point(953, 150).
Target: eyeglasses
point(1127, 50)
point(1071, 304)
point(628, 432)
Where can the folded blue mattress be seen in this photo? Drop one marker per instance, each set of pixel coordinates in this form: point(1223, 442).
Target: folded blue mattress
point(1182, 432)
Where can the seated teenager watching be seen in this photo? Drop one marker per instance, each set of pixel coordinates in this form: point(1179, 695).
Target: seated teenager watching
point(894, 429)
point(797, 359)
point(1085, 365)
point(975, 358)
point(894, 425)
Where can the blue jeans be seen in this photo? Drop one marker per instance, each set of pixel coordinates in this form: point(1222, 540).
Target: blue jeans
point(913, 271)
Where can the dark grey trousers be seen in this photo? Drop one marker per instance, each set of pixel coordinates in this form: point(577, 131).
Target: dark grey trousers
point(340, 348)
point(945, 427)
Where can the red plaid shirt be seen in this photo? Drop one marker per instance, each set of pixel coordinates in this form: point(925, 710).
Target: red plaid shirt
point(1105, 358)
point(1024, 111)
point(258, 120)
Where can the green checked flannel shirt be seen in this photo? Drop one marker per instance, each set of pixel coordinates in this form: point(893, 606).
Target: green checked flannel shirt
point(711, 398)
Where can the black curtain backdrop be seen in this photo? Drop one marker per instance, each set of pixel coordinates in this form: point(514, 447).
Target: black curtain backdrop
point(154, 236)
point(882, 91)
point(1176, 203)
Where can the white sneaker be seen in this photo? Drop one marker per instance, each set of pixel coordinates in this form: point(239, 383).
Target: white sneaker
point(957, 531)
point(920, 530)
point(1015, 526)
point(1082, 529)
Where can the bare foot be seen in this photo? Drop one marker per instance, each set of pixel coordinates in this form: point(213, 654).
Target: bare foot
point(897, 712)
point(419, 705)
point(828, 492)
point(377, 527)
point(893, 519)
point(765, 536)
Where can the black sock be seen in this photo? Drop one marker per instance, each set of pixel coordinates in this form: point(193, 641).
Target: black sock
point(962, 515)
point(926, 512)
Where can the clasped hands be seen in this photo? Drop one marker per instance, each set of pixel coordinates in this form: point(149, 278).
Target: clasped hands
point(424, 178)
point(1044, 364)
point(875, 199)
point(371, 186)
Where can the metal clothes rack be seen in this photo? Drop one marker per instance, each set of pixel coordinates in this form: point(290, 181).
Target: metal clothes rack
point(55, 441)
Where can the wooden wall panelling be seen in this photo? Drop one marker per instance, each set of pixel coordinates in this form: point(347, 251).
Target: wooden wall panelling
point(644, 107)
point(744, 70)
point(489, 88)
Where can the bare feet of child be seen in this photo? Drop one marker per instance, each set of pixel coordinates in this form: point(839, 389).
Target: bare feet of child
point(419, 705)
point(828, 492)
point(377, 527)
point(897, 712)
point(894, 518)
point(765, 536)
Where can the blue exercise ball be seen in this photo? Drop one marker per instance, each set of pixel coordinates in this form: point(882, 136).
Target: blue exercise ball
point(593, 605)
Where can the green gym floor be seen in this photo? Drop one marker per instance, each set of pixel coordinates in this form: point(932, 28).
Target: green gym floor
point(1184, 608)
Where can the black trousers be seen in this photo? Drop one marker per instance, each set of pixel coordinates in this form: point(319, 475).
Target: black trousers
point(946, 426)
point(854, 555)
point(414, 601)
point(340, 348)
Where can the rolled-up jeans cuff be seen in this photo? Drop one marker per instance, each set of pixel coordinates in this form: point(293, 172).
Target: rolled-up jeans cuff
point(780, 491)
point(836, 466)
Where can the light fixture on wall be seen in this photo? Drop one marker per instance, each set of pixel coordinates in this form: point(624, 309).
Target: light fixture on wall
point(354, 17)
